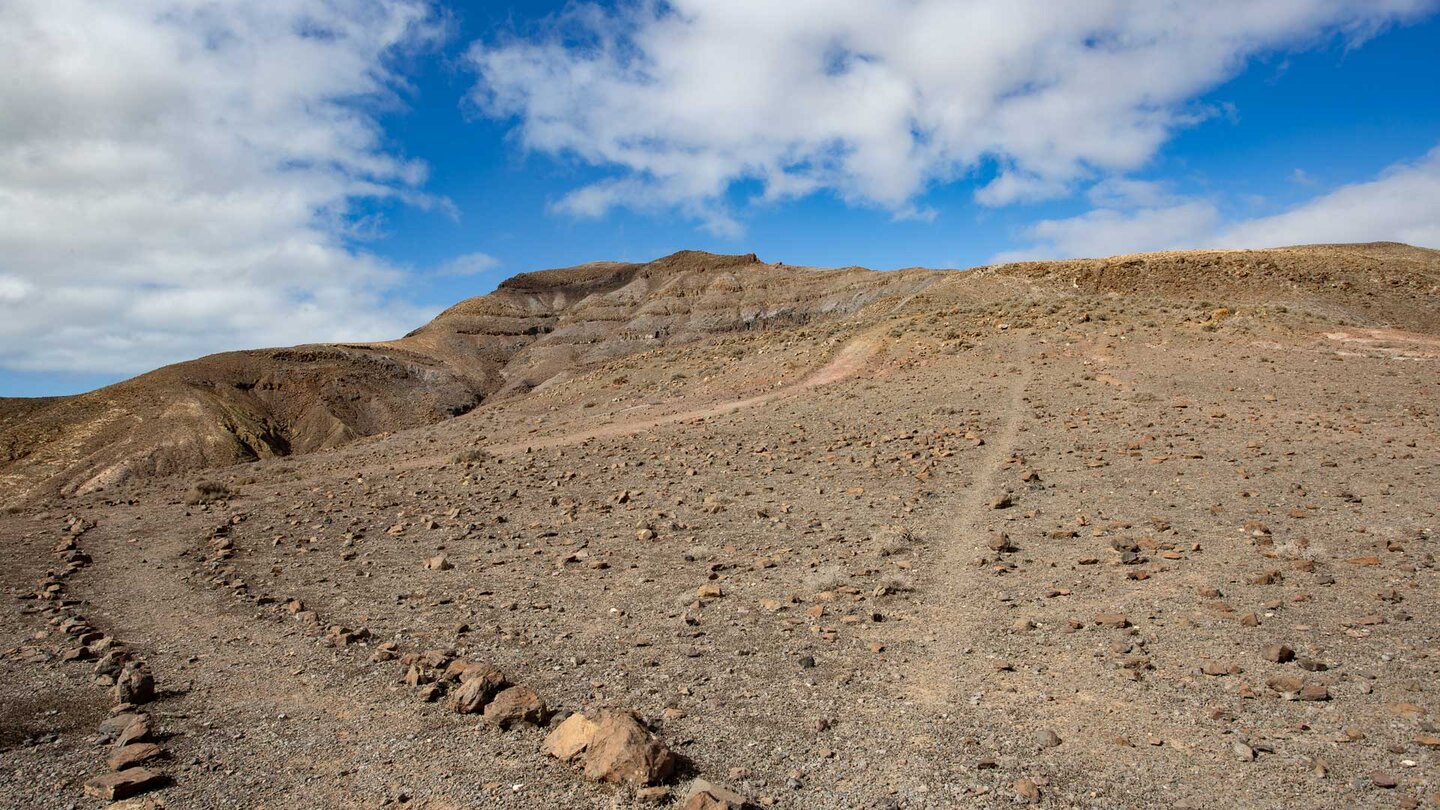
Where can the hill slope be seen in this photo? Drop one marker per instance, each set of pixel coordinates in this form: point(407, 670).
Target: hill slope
point(547, 325)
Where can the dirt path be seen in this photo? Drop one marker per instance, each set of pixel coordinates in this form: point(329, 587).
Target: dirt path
point(954, 609)
point(853, 357)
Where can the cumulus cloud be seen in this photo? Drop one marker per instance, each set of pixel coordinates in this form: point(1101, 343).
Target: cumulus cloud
point(876, 100)
point(1402, 204)
point(181, 176)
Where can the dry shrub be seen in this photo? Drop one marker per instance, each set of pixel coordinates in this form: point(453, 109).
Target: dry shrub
point(472, 455)
point(207, 492)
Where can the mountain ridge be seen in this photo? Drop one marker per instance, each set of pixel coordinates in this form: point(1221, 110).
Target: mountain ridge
point(545, 326)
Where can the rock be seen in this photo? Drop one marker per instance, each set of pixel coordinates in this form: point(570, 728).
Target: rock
point(1314, 692)
point(122, 784)
point(1381, 779)
point(134, 685)
point(1242, 752)
point(653, 795)
point(1285, 684)
point(513, 706)
point(138, 730)
point(1279, 653)
point(439, 563)
point(704, 800)
point(1047, 739)
point(570, 739)
point(710, 590)
point(478, 687)
point(112, 726)
point(1026, 790)
point(622, 751)
point(1114, 621)
point(718, 797)
point(132, 754)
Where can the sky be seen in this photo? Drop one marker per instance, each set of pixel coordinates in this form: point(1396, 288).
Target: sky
point(182, 177)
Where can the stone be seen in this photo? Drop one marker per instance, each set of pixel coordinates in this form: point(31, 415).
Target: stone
point(1047, 739)
point(1279, 653)
point(1242, 752)
point(1114, 621)
point(710, 590)
point(1285, 684)
point(112, 726)
point(570, 739)
point(514, 706)
point(122, 784)
point(624, 752)
point(133, 754)
point(719, 796)
point(478, 687)
point(704, 800)
point(439, 563)
point(138, 730)
point(134, 685)
point(1026, 790)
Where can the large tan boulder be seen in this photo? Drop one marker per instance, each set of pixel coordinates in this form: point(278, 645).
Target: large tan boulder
point(570, 739)
point(624, 752)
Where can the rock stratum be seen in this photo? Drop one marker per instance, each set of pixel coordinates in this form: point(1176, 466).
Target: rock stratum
point(544, 326)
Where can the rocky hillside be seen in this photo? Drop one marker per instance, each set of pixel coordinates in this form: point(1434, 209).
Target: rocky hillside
point(549, 325)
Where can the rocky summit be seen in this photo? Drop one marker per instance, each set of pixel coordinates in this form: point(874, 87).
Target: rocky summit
point(1155, 530)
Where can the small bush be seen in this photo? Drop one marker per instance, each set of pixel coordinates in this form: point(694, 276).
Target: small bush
point(826, 578)
point(207, 492)
point(473, 455)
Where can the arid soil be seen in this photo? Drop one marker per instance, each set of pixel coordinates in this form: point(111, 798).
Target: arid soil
point(1152, 531)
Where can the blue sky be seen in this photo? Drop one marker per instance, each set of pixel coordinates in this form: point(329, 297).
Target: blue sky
point(245, 181)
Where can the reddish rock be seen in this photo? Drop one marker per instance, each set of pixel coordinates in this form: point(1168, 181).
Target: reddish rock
point(570, 739)
point(122, 784)
point(622, 751)
point(513, 706)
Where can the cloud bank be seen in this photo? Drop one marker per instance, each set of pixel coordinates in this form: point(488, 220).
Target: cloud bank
point(1402, 204)
point(181, 176)
point(876, 100)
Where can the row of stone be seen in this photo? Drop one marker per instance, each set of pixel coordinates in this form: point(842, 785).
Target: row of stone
point(127, 730)
point(615, 747)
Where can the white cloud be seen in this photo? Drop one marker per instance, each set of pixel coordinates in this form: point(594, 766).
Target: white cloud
point(178, 176)
point(878, 99)
point(470, 264)
point(1401, 205)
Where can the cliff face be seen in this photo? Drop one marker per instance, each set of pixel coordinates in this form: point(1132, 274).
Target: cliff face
point(544, 326)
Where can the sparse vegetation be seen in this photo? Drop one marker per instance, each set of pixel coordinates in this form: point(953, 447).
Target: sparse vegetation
point(208, 492)
point(471, 455)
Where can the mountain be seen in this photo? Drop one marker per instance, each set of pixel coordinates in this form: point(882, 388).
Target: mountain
point(544, 326)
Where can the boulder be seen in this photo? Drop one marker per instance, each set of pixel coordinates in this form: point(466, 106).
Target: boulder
point(478, 687)
point(134, 685)
point(570, 739)
point(513, 706)
point(624, 752)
